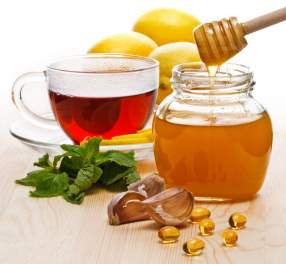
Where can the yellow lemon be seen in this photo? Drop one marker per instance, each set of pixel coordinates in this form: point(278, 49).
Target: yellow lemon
point(129, 43)
point(165, 25)
point(170, 55)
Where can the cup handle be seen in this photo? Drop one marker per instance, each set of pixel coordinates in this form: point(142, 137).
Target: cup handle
point(17, 98)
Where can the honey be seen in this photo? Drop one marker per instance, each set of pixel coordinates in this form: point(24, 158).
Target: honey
point(228, 160)
point(211, 136)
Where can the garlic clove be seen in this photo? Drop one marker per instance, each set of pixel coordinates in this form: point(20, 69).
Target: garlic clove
point(170, 207)
point(124, 208)
point(149, 185)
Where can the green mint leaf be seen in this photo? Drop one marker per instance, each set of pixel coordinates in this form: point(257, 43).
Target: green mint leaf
point(86, 177)
point(74, 198)
point(57, 159)
point(90, 148)
point(112, 172)
point(71, 150)
point(44, 162)
point(86, 151)
point(34, 177)
point(75, 171)
point(71, 165)
point(131, 176)
point(120, 158)
point(53, 184)
point(119, 186)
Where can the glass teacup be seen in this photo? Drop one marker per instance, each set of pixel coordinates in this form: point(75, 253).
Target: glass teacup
point(95, 95)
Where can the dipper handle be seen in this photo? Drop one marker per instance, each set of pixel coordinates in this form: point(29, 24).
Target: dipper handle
point(264, 21)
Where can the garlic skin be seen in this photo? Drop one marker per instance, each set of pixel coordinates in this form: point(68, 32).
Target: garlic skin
point(146, 199)
point(170, 207)
point(124, 208)
point(149, 185)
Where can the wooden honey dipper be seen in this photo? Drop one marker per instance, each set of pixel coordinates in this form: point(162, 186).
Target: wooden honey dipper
point(218, 41)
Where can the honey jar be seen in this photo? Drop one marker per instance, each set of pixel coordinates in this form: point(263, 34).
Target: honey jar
point(211, 136)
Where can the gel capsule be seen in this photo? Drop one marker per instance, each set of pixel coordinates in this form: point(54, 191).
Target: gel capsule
point(168, 234)
point(194, 247)
point(229, 238)
point(206, 227)
point(237, 221)
point(199, 213)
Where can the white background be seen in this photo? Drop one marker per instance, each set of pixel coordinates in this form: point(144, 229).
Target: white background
point(33, 33)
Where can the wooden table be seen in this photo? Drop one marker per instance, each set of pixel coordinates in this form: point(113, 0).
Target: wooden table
point(53, 231)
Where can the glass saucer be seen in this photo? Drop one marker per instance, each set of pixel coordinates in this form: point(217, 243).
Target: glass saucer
point(49, 140)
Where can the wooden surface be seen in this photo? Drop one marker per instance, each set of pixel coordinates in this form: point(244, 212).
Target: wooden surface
point(53, 231)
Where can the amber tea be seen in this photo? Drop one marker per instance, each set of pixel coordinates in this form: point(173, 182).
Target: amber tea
point(102, 116)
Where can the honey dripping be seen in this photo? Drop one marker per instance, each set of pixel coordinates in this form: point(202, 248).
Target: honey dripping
point(212, 71)
point(218, 41)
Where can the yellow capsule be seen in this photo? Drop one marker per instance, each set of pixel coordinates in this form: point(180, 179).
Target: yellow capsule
point(194, 247)
point(206, 227)
point(229, 238)
point(237, 221)
point(168, 234)
point(199, 213)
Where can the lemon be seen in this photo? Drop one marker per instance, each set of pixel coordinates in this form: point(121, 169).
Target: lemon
point(129, 43)
point(142, 136)
point(170, 55)
point(165, 25)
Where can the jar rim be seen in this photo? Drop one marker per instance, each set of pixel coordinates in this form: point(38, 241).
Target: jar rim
point(235, 69)
point(194, 77)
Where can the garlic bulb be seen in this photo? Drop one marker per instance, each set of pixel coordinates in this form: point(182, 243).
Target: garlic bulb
point(170, 207)
point(122, 208)
point(149, 185)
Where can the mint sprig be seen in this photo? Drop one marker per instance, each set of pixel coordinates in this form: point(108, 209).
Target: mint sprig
point(78, 169)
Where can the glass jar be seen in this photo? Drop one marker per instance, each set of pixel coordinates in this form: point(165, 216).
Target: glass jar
point(211, 136)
